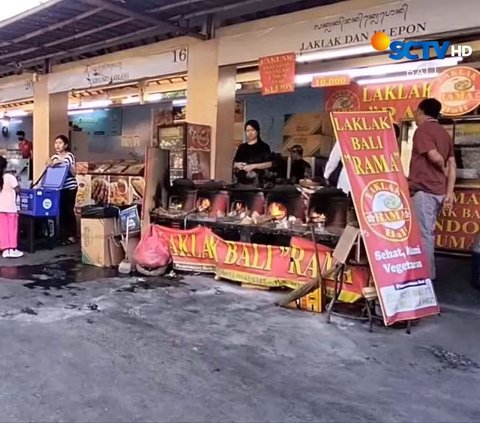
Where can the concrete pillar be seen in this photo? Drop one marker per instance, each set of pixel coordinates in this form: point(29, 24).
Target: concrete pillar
point(225, 147)
point(50, 118)
point(202, 89)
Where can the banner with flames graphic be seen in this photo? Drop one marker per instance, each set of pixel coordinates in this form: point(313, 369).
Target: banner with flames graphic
point(380, 192)
point(200, 250)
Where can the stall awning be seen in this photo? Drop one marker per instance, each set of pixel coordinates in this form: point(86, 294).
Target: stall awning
point(60, 31)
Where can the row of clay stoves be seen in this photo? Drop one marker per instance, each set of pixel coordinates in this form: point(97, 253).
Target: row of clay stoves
point(280, 203)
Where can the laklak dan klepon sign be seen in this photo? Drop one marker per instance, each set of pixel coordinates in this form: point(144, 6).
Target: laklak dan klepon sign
point(399, 265)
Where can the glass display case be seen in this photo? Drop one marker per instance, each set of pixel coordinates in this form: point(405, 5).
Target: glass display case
point(189, 146)
point(465, 133)
point(114, 183)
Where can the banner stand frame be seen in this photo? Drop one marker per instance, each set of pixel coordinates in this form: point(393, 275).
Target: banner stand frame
point(351, 241)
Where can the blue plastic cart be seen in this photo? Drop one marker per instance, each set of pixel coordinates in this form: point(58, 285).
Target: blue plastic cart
point(45, 200)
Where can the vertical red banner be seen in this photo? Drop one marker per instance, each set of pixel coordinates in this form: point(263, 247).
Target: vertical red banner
point(277, 73)
point(391, 235)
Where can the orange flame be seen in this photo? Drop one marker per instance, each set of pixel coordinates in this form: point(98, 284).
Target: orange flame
point(277, 211)
point(203, 205)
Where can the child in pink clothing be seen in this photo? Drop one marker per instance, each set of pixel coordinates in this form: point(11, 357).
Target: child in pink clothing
point(8, 213)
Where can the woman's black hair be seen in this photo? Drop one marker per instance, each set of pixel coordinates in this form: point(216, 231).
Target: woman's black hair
point(255, 125)
point(65, 140)
point(3, 166)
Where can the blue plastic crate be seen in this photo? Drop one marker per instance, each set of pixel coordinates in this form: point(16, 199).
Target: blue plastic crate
point(40, 202)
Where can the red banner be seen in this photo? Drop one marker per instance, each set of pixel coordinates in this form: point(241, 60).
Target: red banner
point(304, 265)
point(457, 228)
point(193, 249)
point(265, 265)
point(399, 98)
point(380, 192)
point(277, 74)
point(254, 264)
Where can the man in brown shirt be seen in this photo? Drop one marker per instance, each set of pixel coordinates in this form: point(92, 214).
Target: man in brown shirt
point(432, 172)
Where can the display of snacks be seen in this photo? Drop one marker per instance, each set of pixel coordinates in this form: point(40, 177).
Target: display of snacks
point(117, 169)
point(134, 169)
point(83, 168)
point(84, 193)
point(136, 188)
point(102, 167)
point(115, 183)
point(118, 191)
point(100, 185)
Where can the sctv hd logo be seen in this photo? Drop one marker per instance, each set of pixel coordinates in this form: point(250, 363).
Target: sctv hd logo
point(403, 49)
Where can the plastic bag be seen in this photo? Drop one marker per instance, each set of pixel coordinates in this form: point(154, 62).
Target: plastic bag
point(152, 251)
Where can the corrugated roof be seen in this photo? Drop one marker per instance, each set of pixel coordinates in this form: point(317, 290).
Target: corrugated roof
point(67, 30)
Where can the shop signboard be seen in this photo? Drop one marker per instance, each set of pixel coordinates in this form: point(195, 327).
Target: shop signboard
point(341, 25)
point(399, 98)
point(201, 250)
point(277, 74)
point(100, 122)
point(457, 228)
point(458, 89)
point(330, 81)
point(16, 90)
point(119, 71)
point(399, 265)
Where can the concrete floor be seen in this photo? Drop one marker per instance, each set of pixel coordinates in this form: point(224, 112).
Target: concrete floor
point(109, 349)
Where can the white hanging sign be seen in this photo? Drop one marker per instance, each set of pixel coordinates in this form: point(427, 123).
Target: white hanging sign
point(124, 70)
point(400, 19)
point(18, 90)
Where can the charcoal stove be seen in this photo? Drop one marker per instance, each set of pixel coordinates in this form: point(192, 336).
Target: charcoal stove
point(330, 203)
point(212, 201)
point(245, 201)
point(284, 202)
point(181, 197)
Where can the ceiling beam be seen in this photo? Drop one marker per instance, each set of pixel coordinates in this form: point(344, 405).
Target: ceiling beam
point(245, 6)
point(64, 40)
point(134, 36)
point(29, 12)
point(53, 27)
point(173, 5)
point(144, 17)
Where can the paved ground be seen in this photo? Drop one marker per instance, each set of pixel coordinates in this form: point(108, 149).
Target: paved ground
point(109, 349)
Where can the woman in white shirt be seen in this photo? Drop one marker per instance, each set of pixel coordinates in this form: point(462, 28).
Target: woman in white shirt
point(8, 213)
point(334, 161)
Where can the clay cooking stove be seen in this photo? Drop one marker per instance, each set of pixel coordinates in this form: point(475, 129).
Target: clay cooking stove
point(211, 203)
point(285, 206)
point(244, 202)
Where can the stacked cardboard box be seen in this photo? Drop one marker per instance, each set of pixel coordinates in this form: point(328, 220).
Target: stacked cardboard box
point(313, 131)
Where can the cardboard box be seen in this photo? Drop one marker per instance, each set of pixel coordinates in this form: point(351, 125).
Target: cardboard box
point(98, 245)
point(313, 145)
point(303, 124)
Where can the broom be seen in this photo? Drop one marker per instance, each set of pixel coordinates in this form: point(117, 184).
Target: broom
point(318, 282)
